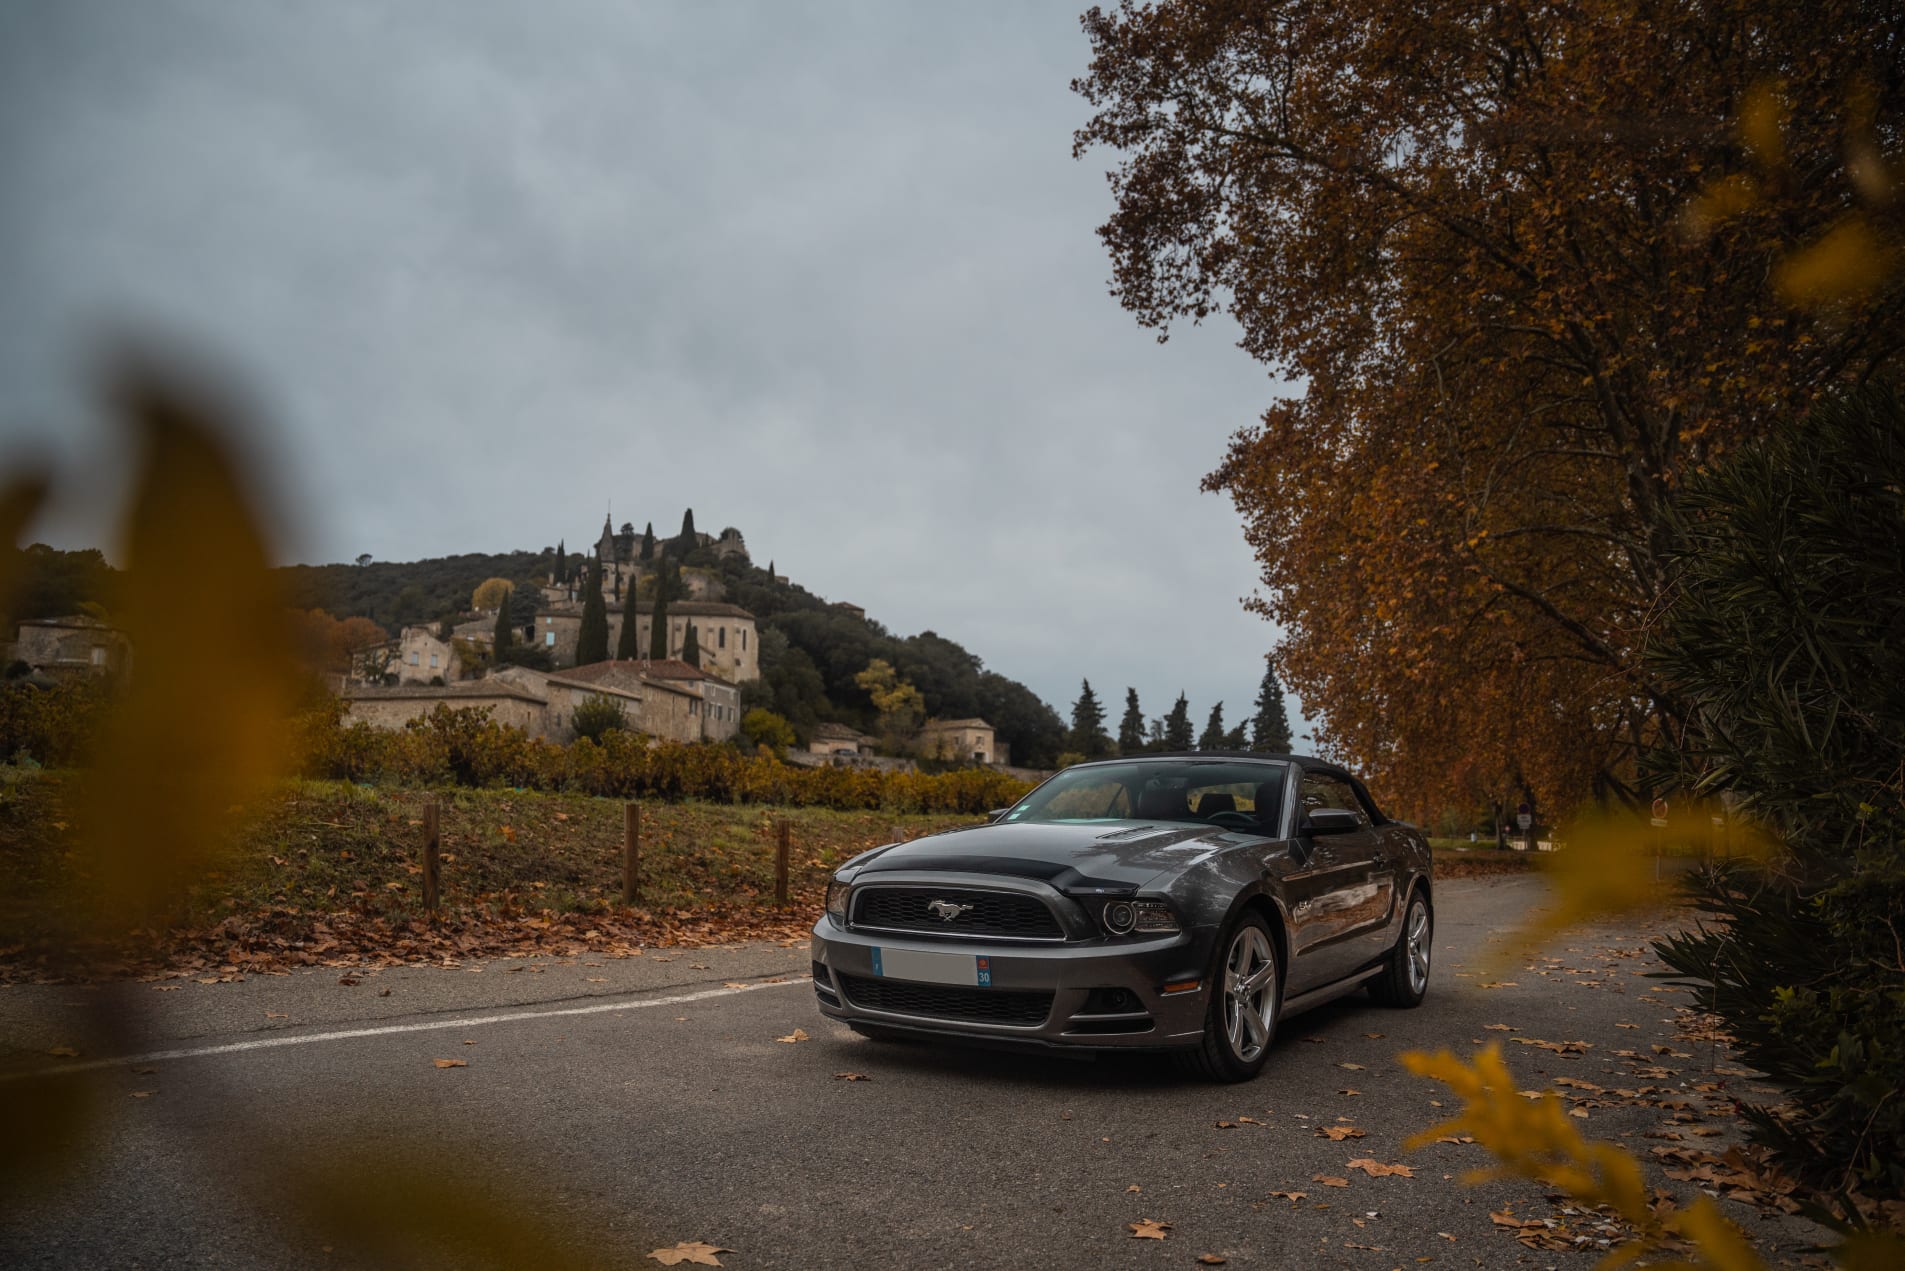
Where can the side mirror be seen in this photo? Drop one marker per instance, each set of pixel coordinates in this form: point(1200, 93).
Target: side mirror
point(996, 813)
point(1328, 821)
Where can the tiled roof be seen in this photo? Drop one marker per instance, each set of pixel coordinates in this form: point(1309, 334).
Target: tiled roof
point(438, 692)
point(937, 724)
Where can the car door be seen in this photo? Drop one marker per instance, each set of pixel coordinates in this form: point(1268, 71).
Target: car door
point(1343, 905)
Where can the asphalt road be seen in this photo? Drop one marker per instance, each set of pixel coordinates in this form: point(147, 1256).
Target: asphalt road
point(635, 1103)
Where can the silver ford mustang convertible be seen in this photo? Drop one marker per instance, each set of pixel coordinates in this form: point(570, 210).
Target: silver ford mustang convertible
point(1163, 902)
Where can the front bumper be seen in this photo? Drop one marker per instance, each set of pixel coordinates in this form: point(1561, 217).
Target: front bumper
point(1082, 979)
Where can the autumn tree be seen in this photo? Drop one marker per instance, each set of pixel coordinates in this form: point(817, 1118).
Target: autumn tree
point(592, 640)
point(1131, 727)
point(490, 594)
point(900, 706)
point(1177, 726)
point(1510, 254)
point(1213, 736)
point(1270, 726)
point(1088, 725)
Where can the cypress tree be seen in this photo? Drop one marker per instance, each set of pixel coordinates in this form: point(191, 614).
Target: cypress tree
point(505, 627)
point(562, 562)
point(1131, 727)
point(592, 641)
point(625, 643)
point(1088, 725)
point(1270, 726)
point(1177, 726)
point(648, 542)
point(691, 647)
point(658, 624)
point(1213, 738)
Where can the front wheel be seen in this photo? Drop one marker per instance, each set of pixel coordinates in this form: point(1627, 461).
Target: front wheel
point(1405, 977)
point(1246, 996)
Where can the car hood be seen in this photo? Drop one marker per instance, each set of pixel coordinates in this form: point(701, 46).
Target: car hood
point(1103, 856)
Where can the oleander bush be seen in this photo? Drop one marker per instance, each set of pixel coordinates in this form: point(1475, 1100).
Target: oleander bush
point(1785, 642)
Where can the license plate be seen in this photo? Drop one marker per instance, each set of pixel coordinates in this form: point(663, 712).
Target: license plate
point(933, 968)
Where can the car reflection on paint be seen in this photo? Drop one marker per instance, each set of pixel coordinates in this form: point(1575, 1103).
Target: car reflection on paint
point(1167, 902)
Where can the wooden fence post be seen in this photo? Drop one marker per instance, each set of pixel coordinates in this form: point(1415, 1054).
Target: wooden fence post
point(899, 833)
point(431, 843)
point(783, 841)
point(631, 853)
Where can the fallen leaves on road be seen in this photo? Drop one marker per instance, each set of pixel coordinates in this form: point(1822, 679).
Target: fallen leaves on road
point(1351, 1067)
point(798, 1035)
point(1329, 1180)
point(1133, 1188)
point(698, 1252)
point(62, 1052)
point(1294, 1196)
point(1376, 1169)
point(452, 1063)
point(349, 981)
point(1499, 1028)
point(1147, 1229)
point(1559, 1048)
point(1212, 1259)
point(1338, 1132)
point(732, 984)
point(851, 1076)
point(143, 1094)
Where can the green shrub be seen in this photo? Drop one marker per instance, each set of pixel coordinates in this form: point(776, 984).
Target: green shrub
point(1785, 646)
point(596, 714)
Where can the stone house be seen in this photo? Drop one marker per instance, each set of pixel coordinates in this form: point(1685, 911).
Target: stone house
point(72, 645)
point(393, 706)
point(422, 656)
point(838, 739)
point(667, 699)
point(958, 739)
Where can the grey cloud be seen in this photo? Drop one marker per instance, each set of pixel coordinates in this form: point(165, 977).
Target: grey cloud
point(824, 272)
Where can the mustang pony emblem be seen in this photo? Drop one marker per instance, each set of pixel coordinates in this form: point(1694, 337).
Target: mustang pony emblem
point(946, 910)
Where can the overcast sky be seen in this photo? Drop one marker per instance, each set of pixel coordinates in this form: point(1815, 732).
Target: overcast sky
point(823, 272)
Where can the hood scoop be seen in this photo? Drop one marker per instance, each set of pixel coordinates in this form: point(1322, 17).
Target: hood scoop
point(1139, 834)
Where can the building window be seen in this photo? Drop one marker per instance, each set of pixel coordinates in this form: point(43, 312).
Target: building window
point(744, 637)
point(413, 657)
point(549, 639)
point(99, 655)
point(433, 661)
point(721, 636)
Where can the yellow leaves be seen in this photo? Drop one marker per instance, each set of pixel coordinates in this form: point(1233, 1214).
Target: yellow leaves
point(696, 1252)
point(1338, 1132)
point(200, 727)
point(1147, 1229)
point(451, 1063)
point(798, 1035)
point(1329, 1180)
point(1534, 1139)
point(491, 593)
point(1376, 1169)
point(1849, 263)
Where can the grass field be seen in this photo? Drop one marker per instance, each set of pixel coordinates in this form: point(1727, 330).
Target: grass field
point(325, 871)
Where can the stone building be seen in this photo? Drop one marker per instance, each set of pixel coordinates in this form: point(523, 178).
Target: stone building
point(959, 739)
point(838, 739)
point(69, 646)
point(422, 656)
point(667, 699)
point(393, 706)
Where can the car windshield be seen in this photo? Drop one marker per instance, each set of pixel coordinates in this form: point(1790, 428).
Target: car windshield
point(1244, 794)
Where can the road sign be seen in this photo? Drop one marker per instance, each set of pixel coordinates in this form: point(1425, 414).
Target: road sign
point(1660, 809)
point(1524, 819)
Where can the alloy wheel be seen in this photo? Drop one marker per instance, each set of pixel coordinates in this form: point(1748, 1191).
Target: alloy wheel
point(1416, 950)
point(1250, 993)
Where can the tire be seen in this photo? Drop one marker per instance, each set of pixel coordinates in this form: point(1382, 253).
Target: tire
point(1404, 981)
point(1246, 985)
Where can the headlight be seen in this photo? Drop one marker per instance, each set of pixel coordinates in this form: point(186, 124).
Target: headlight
point(1146, 917)
point(837, 901)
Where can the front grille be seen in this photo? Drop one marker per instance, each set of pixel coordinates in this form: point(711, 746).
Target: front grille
point(1008, 915)
point(933, 1001)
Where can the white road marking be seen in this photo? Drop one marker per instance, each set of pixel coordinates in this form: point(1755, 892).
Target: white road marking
point(383, 1030)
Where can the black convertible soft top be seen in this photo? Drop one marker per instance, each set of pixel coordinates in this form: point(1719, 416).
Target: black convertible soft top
point(1308, 763)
